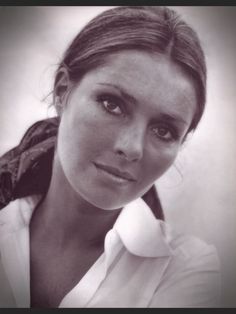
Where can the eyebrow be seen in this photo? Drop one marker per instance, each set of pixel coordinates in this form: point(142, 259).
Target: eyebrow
point(123, 93)
point(162, 116)
point(172, 118)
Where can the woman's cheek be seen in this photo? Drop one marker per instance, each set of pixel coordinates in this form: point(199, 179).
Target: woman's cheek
point(161, 161)
point(93, 137)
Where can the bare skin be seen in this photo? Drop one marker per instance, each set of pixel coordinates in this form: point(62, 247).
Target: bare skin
point(137, 126)
point(59, 261)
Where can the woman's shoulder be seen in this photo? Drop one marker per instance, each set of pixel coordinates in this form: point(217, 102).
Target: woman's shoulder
point(186, 246)
point(192, 277)
point(193, 257)
point(17, 213)
point(191, 251)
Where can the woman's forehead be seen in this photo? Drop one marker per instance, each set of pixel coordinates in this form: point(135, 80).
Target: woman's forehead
point(143, 69)
point(146, 78)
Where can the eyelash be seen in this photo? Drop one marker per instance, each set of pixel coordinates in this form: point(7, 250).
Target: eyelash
point(101, 99)
point(174, 135)
point(110, 99)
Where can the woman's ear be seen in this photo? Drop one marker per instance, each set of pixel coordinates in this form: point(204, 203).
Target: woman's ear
point(62, 88)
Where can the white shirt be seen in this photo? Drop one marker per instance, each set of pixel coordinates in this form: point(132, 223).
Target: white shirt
point(144, 264)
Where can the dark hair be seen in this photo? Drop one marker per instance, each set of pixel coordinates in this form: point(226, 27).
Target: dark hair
point(150, 28)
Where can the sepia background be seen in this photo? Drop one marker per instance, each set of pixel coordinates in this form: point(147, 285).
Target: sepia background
point(199, 192)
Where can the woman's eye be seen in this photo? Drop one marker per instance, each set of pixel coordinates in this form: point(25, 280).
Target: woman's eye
point(163, 132)
point(111, 107)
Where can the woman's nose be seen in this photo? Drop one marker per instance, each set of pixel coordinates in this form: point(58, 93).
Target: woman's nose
point(130, 143)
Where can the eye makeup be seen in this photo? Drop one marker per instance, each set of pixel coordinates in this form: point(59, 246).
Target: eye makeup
point(165, 132)
point(166, 126)
point(111, 103)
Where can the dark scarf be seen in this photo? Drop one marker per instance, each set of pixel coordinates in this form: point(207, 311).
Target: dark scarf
point(26, 169)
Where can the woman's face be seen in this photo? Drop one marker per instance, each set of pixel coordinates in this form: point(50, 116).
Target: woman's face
point(122, 126)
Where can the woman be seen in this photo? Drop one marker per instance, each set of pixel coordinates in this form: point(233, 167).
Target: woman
point(82, 225)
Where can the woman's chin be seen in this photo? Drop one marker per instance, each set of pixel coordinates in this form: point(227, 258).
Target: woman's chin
point(105, 202)
point(108, 205)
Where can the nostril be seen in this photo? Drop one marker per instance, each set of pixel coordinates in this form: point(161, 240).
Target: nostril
point(130, 146)
point(128, 157)
point(120, 153)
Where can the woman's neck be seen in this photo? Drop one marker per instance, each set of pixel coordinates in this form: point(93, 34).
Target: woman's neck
point(65, 219)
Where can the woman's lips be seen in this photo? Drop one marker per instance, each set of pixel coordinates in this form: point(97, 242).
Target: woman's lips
point(116, 172)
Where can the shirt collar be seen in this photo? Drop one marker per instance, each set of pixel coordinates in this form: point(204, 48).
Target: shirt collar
point(139, 230)
point(141, 233)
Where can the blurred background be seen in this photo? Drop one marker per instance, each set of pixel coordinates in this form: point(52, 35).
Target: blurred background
point(199, 192)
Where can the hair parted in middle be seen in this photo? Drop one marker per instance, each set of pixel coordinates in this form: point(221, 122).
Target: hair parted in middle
point(153, 29)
